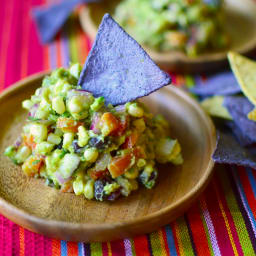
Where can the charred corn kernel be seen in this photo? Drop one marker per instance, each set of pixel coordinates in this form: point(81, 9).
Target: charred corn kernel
point(39, 132)
point(54, 138)
point(68, 139)
point(132, 173)
point(135, 110)
point(141, 162)
point(22, 154)
point(83, 136)
point(27, 104)
point(75, 70)
point(89, 189)
point(110, 188)
point(91, 155)
point(75, 105)
point(43, 148)
point(139, 125)
point(58, 105)
point(78, 186)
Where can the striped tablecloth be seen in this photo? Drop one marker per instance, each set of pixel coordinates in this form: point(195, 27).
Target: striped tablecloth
point(221, 222)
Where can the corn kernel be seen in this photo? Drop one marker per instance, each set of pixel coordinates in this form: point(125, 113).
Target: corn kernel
point(58, 105)
point(54, 139)
point(22, 154)
point(135, 111)
point(91, 155)
point(74, 105)
point(89, 189)
point(83, 136)
point(27, 104)
point(67, 139)
point(78, 186)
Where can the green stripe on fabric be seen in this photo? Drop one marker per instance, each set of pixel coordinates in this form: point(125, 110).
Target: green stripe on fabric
point(190, 82)
point(72, 35)
point(243, 235)
point(96, 249)
point(182, 229)
point(206, 232)
point(133, 248)
point(156, 244)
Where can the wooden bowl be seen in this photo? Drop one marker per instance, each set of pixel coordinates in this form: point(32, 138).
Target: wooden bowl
point(37, 207)
point(240, 25)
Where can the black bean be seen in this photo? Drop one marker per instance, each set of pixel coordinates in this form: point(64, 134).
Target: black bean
point(114, 195)
point(99, 190)
point(98, 142)
point(76, 147)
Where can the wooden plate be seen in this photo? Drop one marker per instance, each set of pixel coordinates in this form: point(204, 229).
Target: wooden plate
point(42, 209)
point(240, 25)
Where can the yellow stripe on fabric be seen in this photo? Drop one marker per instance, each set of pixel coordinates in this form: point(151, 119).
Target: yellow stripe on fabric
point(236, 214)
point(157, 243)
point(72, 35)
point(109, 249)
point(132, 245)
point(96, 249)
point(183, 237)
point(190, 81)
point(206, 231)
point(225, 219)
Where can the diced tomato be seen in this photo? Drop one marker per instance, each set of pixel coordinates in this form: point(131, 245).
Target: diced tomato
point(121, 127)
point(131, 140)
point(32, 165)
point(139, 152)
point(119, 164)
point(66, 187)
point(29, 141)
point(68, 124)
point(98, 174)
point(109, 123)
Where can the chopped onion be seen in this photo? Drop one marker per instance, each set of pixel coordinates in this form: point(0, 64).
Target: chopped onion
point(60, 179)
point(102, 162)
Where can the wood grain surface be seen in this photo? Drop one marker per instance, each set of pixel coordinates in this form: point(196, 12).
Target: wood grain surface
point(32, 204)
point(240, 24)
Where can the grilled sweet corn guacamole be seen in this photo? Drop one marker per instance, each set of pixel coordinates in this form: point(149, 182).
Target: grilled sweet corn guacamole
point(79, 144)
point(191, 26)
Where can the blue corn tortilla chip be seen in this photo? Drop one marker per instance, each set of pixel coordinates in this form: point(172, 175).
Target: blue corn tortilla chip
point(220, 84)
point(239, 107)
point(50, 20)
point(228, 151)
point(242, 139)
point(118, 68)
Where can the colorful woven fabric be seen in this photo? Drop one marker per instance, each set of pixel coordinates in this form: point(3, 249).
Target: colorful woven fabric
point(221, 222)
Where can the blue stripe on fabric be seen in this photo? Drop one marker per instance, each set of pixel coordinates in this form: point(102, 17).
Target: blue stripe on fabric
point(251, 179)
point(64, 248)
point(170, 240)
point(248, 208)
point(80, 249)
point(65, 48)
point(53, 55)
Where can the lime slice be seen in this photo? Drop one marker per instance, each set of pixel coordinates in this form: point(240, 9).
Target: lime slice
point(213, 106)
point(244, 70)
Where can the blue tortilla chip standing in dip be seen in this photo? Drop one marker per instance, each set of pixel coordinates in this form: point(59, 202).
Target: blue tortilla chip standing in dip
point(221, 84)
point(228, 151)
point(118, 68)
point(238, 108)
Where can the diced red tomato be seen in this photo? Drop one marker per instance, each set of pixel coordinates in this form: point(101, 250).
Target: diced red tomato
point(66, 188)
point(68, 124)
point(121, 127)
point(109, 123)
point(98, 174)
point(131, 140)
point(29, 141)
point(119, 164)
point(139, 152)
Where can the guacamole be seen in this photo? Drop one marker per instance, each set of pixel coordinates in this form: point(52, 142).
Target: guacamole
point(79, 144)
point(191, 26)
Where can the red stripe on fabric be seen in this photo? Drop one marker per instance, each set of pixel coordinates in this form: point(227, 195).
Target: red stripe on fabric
point(104, 249)
point(72, 248)
point(7, 19)
point(175, 237)
point(166, 247)
point(22, 241)
point(47, 246)
point(117, 248)
point(13, 66)
point(36, 50)
point(141, 246)
point(29, 242)
point(83, 44)
point(56, 248)
point(15, 239)
point(25, 40)
point(247, 189)
point(198, 232)
point(229, 216)
point(58, 47)
point(218, 221)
